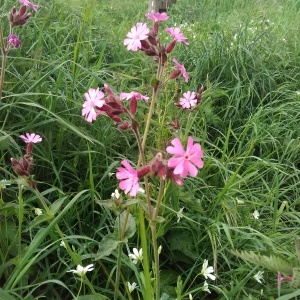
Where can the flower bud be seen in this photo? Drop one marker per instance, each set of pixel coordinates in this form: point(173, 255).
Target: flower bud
point(133, 105)
point(143, 171)
point(124, 125)
point(175, 74)
point(171, 46)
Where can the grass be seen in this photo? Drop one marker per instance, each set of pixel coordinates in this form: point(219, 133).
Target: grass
point(246, 54)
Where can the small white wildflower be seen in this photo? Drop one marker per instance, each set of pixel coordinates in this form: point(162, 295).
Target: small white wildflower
point(142, 191)
point(3, 184)
point(136, 255)
point(159, 249)
point(131, 287)
point(205, 287)
point(190, 297)
point(206, 271)
point(180, 214)
point(238, 201)
point(255, 214)
point(259, 276)
point(81, 271)
point(298, 93)
point(62, 244)
point(115, 195)
point(38, 211)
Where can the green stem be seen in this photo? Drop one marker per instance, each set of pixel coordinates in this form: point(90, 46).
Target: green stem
point(4, 55)
point(148, 294)
point(21, 216)
point(118, 262)
point(156, 261)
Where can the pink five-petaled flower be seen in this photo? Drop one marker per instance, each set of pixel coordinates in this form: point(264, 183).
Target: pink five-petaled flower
point(31, 138)
point(27, 3)
point(177, 35)
point(137, 33)
point(13, 40)
point(189, 100)
point(182, 70)
point(184, 162)
point(93, 100)
point(129, 179)
point(157, 17)
point(134, 95)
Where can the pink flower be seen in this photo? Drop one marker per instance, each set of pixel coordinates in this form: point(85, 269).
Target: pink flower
point(189, 100)
point(177, 35)
point(182, 69)
point(132, 95)
point(93, 101)
point(129, 179)
point(138, 32)
point(27, 3)
point(31, 138)
point(157, 17)
point(13, 40)
point(184, 162)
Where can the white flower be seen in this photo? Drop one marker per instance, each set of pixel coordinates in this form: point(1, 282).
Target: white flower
point(81, 271)
point(206, 271)
point(131, 287)
point(115, 195)
point(180, 214)
point(141, 190)
point(255, 214)
point(190, 297)
point(62, 244)
point(159, 249)
point(259, 276)
point(205, 287)
point(136, 256)
point(3, 184)
point(38, 211)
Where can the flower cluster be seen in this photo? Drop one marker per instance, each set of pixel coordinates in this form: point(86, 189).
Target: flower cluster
point(179, 166)
point(24, 165)
point(146, 40)
point(183, 162)
point(97, 103)
point(18, 18)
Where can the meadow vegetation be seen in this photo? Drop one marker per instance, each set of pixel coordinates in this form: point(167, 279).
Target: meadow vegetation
point(241, 212)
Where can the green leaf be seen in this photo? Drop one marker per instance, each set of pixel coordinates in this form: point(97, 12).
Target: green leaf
point(289, 296)
point(5, 295)
point(92, 297)
point(109, 243)
point(130, 225)
point(271, 262)
point(55, 206)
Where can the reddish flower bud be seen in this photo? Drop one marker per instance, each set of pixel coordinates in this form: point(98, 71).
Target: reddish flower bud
point(23, 166)
point(199, 94)
point(143, 171)
point(145, 45)
point(175, 124)
point(133, 105)
point(124, 125)
point(152, 40)
point(18, 17)
point(171, 46)
point(175, 74)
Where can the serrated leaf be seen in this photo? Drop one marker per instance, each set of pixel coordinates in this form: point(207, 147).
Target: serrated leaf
point(130, 225)
point(109, 243)
point(271, 262)
point(296, 278)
